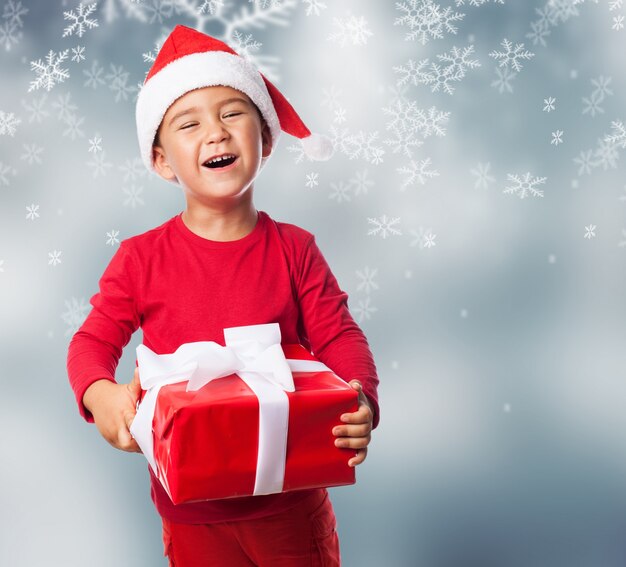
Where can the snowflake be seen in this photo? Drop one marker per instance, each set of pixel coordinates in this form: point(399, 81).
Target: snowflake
point(95, 144)
point(549, 104)
point(118, 78)
point(512, 55)
point(330, 98)
point(476, 2)
point(539, 31)
point(79, 54)
point(417, 173)
point(133, 196)
point(80, 21)
point(73, 130)
point(5, 171)
point(618, 23)
point(364, 309)
point(557, 137)
point(426, 20)
point(32, 154)
point(424, 237)
point(99, 164)
point(592, 104)
point(9, 35)
point(351, 30)
point(606, 154)
point(340, 116)
point(160, 10)
point(383, 226)
point(75, 315)
point(363, 145)
point(132, 10)
point(340, 192)
point(55, 257)
point(619, 136)
point(585, 162)
point(94, 76)
point(210, 7)
point(311, 180)
point(49, 73)
point(525, 185)
point(65, 107)
point(590, 231)
point(602, 86)
point(8, 123)
point(32, 212)
point(314, 7)
point(133, 169)
point(367, 280)
point(13, 12)
point(483, 179)
point(503, 82)
point(361, 183)
point(112, 237)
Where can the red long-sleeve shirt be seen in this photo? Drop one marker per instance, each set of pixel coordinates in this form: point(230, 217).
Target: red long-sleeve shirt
point(180, 287)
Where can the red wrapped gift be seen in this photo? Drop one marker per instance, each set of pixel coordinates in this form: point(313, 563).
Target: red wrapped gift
point(245, 433)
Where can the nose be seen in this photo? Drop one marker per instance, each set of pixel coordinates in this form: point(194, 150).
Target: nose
point(215, 132)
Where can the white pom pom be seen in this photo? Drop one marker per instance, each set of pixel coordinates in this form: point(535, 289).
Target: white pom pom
point(318, 147)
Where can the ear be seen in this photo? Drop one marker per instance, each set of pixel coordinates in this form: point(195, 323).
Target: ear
point(266, 140)
point(161, 165)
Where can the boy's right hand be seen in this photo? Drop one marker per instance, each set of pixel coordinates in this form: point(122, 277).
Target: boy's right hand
point(113, 407)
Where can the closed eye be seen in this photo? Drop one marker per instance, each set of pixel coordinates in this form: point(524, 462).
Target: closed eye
point(188, 125)
point(232, 114)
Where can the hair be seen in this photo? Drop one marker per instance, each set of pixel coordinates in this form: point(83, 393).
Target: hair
point(157, 140)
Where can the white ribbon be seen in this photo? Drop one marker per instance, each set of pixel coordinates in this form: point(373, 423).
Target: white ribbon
point(253, 352)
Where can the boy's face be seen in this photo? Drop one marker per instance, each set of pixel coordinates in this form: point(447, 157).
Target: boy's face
point(205, 123)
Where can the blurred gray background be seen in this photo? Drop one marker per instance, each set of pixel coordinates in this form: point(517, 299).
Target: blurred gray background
point(497, 322)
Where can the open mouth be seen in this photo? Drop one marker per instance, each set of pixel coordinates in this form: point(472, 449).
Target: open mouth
point(220, 162)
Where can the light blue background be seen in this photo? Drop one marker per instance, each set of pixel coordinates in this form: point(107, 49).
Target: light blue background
point(500, 350)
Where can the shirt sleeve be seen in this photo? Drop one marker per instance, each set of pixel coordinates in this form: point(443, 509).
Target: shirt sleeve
point(328, 327)
point(95, 349)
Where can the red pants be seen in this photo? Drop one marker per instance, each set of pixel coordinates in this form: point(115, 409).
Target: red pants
point(304, 536)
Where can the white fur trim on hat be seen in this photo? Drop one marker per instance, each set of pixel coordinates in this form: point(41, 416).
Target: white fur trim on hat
point(190, 72)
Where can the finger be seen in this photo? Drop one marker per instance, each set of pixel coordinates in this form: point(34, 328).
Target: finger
point(360, 457)
point(356, 385)
point(352, 442)
point(362, 415)
point(360, 430)
point(126, 442)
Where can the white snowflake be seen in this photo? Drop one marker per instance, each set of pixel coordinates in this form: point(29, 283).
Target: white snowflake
point(81, 21)
point(539, 31)
point(210, 7)
point(64, 106)
point(79, 54)
point(512, 55)
point(99, 164)
point(5, 171)
point(525, 185)
point(477, 2)
point(36, 109)
point(75, 315)
point(118, 79)
point(95, 144)
point(73, 129)
point(353, 30)
point(383, 226)
point(361, 183)
point(590, 231)
point(426, 20)
point(557, 138)
point(606, 154)
point(10, 35)
point(94, 75)
point(55, 257)
point(32, 154)
point(424, 237)
point(32, 212)
point(49, 73)
point(503, 82)
point(364, 310)
point(618, 23)
point(417, 172)
point(362, 145)
point(330, 98)
point(8, 123)
point(340, 116)
point(592, 104)
point(13, 12)
point(314, 7)
point(367, 282)
point(133, 196)
point(585, 162)
point(133, 169)
point(112, 237)
point(619, 134)
point(340, 192)
point(311, 180)
point(481, 173)
point(549, 104)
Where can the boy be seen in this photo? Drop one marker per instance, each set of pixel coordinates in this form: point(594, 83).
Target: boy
point(208, 120)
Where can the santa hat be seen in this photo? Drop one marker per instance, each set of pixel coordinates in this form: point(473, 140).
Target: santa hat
point(191, 60)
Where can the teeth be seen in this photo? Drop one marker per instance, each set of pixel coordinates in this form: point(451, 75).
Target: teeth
point(215, 160)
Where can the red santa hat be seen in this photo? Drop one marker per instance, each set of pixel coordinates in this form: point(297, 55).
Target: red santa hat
point(191, 60)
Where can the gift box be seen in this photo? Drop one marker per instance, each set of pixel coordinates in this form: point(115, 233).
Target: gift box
point(249, 418)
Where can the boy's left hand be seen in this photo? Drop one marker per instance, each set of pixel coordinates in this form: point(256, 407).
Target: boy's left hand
point(357, 434)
